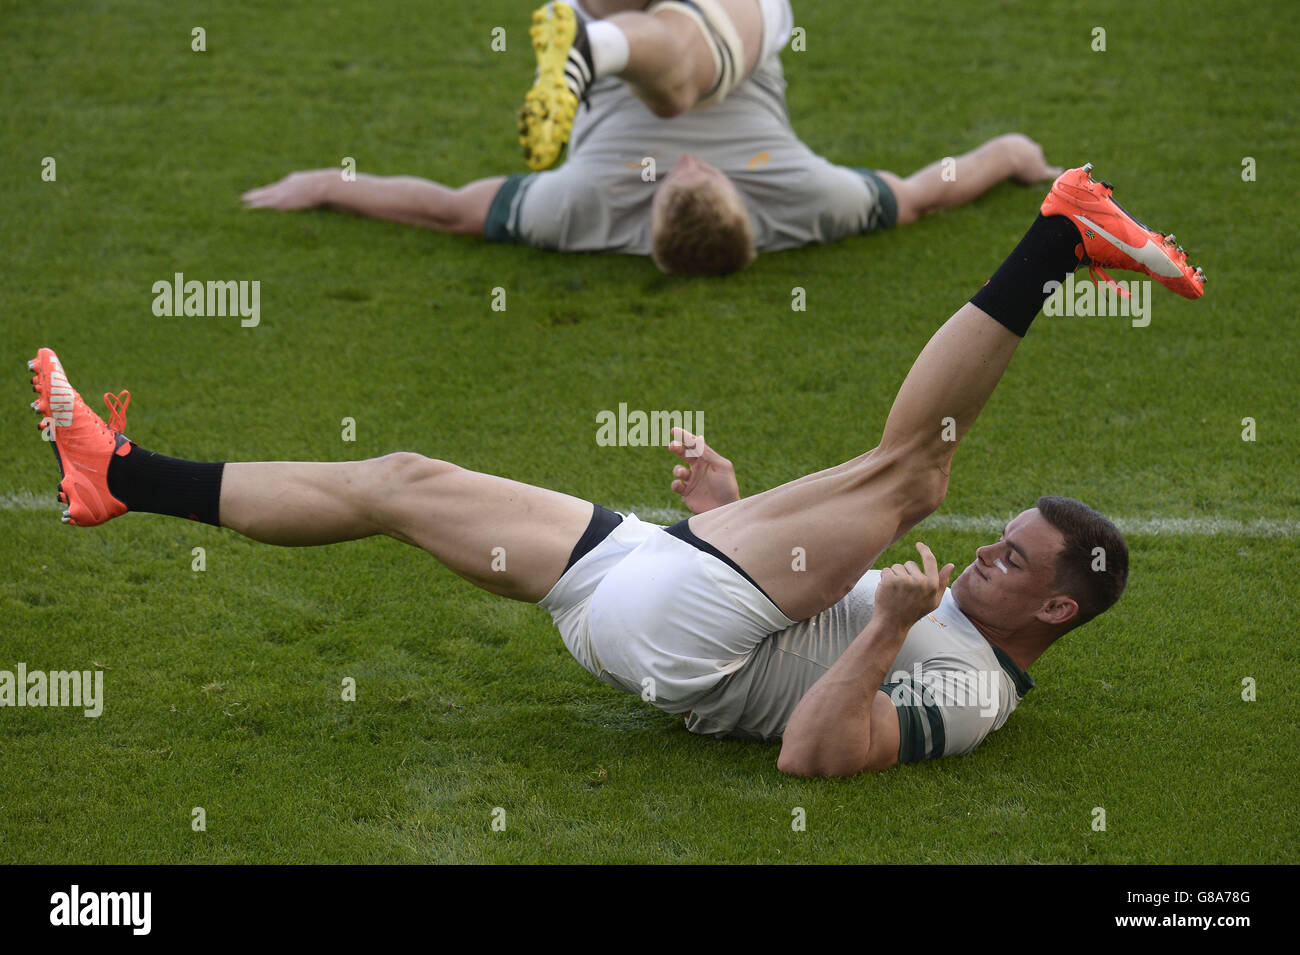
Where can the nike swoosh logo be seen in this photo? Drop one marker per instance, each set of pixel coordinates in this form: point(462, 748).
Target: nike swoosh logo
point(82, 467)
point(1149, 255)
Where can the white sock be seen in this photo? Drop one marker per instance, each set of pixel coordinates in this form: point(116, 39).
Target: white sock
point(609, 50)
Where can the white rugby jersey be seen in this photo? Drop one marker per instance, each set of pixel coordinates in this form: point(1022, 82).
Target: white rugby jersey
point(950, 685)
point(599, 198)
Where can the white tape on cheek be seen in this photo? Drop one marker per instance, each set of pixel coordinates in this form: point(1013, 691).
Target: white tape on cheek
point(1001, 566)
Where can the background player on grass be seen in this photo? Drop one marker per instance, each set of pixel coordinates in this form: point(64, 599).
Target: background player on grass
point(657, 95)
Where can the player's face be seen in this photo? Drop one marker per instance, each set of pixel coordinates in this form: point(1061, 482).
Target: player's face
point(1010, 580)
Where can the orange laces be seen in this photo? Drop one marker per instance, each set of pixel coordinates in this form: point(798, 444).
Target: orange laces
point(117, 405)
point(1094, 271)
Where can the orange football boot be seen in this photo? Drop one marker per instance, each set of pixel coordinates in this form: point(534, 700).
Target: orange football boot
point(1114, 239)
point(83, 444)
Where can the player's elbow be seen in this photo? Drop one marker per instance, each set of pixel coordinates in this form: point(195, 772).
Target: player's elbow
point(793, 765)
point(795, 758)
point(814, 764)
point(816, 769)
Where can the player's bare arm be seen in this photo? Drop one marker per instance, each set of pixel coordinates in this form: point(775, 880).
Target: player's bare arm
point(845, 724)
point(954, 181)
point(408, 199)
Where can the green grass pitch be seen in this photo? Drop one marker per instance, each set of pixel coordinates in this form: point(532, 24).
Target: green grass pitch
point(223, 686)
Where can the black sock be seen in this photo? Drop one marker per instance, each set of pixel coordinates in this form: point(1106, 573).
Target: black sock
point(1050, 250)
point(157, 484)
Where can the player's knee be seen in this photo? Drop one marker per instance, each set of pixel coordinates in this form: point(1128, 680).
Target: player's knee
point(388, 486)
point(402, 469)
point(600, 9)
point(669, 103)
point(671, 93)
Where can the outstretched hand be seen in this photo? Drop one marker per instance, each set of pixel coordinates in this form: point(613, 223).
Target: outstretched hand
point(705, 479)
point(298, 190)
point(908, 592)
point(1028, 163)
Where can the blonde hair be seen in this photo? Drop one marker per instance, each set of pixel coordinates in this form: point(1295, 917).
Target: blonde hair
point(702, 231)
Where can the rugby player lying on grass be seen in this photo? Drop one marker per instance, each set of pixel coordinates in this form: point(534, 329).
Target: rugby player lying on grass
point(855, 669)
point(738, 180)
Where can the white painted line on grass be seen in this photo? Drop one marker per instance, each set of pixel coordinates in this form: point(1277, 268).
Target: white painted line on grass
point(1133, 526)
point(1139, 526)
point(27, 501)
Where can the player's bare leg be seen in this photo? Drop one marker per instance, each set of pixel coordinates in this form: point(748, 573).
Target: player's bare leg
point(672, 55)
point(954, 181)
point(840, 520)
point(671, 65)
point(509, 538)
point(808, 542)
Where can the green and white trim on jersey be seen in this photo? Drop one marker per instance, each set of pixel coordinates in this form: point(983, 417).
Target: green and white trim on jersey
point(921, 727)
point(884, 209)
point(502, 223)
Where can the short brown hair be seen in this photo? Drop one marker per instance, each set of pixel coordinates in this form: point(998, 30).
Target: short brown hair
point(703, 234)
point(1086, 530)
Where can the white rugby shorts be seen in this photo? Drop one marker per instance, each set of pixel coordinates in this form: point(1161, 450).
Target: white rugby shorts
point(653, 615)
